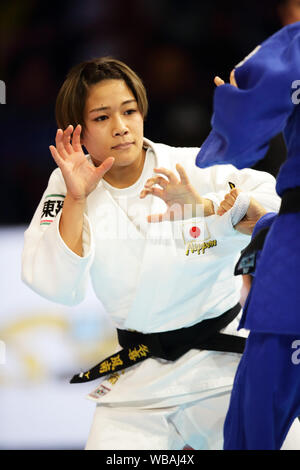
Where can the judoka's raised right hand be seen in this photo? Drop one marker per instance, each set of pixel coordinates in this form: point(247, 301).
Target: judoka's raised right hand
point(81, 176)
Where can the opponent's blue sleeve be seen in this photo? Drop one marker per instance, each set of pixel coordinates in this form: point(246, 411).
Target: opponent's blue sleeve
point(264, 222)
point(247, 117)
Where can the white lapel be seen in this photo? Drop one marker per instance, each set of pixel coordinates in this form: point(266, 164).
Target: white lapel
point(158, 206)
point(159, 241)
point(100, 201)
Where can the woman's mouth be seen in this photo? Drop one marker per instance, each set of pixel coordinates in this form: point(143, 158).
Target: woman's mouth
point(124, 146)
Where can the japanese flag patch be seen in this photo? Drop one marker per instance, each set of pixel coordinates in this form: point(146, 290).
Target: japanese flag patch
point(195, 230)
point(196, 237)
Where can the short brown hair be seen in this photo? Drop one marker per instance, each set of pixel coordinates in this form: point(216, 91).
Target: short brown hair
point(72, 96)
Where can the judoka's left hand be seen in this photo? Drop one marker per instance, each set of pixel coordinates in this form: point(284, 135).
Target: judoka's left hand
point(254, 213)
point(177, 193)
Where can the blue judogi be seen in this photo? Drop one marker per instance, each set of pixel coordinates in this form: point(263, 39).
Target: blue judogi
point(265, 399)
point(266, 393)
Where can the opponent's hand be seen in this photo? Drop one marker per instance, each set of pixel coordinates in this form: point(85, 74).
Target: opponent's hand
point(228, 201)
point(218, 81)
point(176, 193)
point(81, 177)
point(245, 289)
point(254, 213)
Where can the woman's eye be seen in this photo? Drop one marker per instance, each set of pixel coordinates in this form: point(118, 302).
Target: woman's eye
point(130, 111)
point(100, 118)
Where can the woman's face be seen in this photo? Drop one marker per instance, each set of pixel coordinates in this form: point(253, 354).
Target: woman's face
point(113, 124)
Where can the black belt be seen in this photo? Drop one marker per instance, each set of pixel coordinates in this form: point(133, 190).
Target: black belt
point(168, 345)
point(290, 203)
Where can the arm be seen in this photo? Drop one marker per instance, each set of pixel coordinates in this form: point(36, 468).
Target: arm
point(58, 248)
point(49, 266)
point(179, 193)
point(81, 178)
point(253, 213)
point(257, 184)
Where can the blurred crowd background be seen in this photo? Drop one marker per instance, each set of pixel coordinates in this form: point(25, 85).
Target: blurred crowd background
point(176, 46)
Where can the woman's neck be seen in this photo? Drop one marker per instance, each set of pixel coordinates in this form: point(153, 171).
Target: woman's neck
point(125, 176)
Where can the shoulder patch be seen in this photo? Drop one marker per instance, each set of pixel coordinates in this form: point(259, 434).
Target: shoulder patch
point(52, 206)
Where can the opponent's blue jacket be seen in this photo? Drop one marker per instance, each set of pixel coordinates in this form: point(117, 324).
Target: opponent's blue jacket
point(265, 103)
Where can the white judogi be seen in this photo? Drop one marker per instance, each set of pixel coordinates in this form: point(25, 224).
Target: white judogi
point(151, 278)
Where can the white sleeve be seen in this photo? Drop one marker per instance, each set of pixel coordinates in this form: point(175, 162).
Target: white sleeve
point(257, 184)
point(216, 181)
point(49, 267)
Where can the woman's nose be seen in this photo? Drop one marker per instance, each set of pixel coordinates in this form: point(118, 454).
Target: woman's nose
point(120, 127)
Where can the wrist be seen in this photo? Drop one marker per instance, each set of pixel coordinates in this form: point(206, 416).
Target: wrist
point(203, 207)
point(209, 208)
point(262, 213)
point(78, 201)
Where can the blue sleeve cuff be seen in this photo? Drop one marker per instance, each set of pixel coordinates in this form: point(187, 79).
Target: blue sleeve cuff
point(265, 221)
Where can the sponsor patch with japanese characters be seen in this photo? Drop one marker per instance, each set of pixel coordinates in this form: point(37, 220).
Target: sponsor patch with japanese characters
point(53, 204)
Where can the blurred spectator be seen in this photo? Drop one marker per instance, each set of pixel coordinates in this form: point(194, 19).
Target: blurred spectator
point(288, 11)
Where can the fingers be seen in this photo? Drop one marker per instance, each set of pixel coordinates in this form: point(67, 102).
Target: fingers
point(182, 173)
point(218, 81)
point(150, 189)
point(154, 191)
point(105, 166)
point(76, 139)
point(232, 79)
point(234, 193)
point(172, 177)
point(228, 201)
point(156, 180)
point(59, 141)
point(67, 139)
point(224, 207)
point(169, 174)
point(63, 141)
point(144, 193)
point(57, 158)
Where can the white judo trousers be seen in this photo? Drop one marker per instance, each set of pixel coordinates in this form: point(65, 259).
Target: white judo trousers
point(169, 422)
point(198, 424)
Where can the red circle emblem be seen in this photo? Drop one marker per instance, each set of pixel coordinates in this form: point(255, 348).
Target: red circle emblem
point(195, 232)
